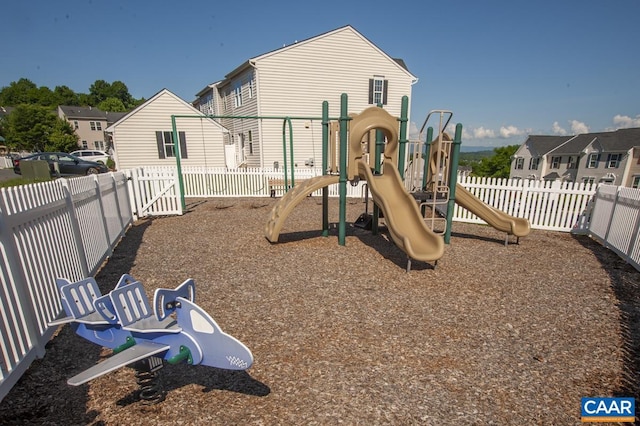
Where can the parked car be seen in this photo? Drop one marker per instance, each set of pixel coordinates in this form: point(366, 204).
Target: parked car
point(92, 155)
point(63, 164)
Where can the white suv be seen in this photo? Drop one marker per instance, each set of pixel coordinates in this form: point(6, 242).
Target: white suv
point(92, 155)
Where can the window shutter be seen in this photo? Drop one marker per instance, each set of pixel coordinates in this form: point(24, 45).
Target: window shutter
point(385, 86)
point(160, 145)
point(183, 144)
point(370, 90)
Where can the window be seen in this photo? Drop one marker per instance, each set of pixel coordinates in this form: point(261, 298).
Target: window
point(555, 162)
point(378, 90)
point(237, 95)
point(636, 182)
point(613, 161)
point(98, 145)
point(75, 125)
point(250, 83)
point(95, 125)
point(589, 180)
point(85, 145)
point(571, 163)
point(519, 163)
point(533, 163)
point(592, 160)
point(166, 148)
point(250, 137)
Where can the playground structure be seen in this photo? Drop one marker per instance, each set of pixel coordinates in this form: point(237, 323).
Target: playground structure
point(374, 150)
point(174, 330)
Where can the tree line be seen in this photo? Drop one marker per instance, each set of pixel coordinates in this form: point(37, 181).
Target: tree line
point(33, 123)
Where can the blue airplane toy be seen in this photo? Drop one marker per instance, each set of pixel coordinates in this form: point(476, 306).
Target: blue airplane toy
point(176, 329)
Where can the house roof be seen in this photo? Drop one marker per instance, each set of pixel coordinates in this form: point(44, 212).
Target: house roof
point(250, 62)
point(82, 112)
point(620, 140)
point(112, 127)
point(541, 144)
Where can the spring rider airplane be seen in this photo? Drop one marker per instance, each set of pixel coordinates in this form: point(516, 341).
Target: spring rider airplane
point(175, 330)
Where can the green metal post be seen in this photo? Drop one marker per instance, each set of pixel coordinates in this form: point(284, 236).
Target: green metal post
point(402, 140)
point(176, 149)
point(325, 166)
point(453, 177)
point(427, 151)
point(284, 151)
point(344, 119)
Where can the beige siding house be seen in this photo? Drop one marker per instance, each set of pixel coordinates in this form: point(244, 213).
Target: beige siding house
point(144, 136)
point(605, 157)
point(294, 81)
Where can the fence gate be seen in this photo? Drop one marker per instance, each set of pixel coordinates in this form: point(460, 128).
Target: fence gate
point(155, 191)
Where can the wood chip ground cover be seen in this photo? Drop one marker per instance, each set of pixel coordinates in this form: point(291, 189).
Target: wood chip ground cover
point(342, 334)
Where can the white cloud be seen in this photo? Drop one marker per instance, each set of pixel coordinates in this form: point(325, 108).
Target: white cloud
point(558, 130)
point(578, 127)
point(510, 131)
point(482, 133)
point(624, 121)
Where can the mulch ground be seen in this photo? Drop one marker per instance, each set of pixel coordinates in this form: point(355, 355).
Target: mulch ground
point(494, 334)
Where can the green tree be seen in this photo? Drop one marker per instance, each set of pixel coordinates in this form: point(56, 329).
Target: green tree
point(36, 128)
point(112, 105)
point(65, 96)
point(23, 91)
point(62, 137)
point(498, 165)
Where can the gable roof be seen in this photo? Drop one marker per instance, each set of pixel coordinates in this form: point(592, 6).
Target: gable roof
point(162, 92)
point(620, 140)
point(72, 112)
point(252, 61)
point(541, 144)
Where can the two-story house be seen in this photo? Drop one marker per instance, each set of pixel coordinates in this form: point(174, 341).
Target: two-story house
point(293, 81)
point(89, 124)
point(529, 160)
point(604, 157)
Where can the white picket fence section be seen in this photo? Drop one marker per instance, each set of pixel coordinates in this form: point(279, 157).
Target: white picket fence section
point(67, 228)
point(554, 206)
point(6, 163)
point(64, 228)
point(615, 221)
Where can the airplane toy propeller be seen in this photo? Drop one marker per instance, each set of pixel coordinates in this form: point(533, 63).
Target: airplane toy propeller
point(175, 330)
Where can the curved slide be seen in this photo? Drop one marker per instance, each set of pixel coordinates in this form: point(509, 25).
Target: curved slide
point(291, 199)
point(498, 219)
point(402, 215)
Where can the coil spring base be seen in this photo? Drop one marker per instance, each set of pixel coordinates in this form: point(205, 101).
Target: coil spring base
point(149, 378)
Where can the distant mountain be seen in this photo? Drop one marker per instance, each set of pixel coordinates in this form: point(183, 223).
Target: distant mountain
point(466, 148)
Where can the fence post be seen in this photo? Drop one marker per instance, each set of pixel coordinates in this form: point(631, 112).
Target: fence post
point(75, 227)
point(105, 224)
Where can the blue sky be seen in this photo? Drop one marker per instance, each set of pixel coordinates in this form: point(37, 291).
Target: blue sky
point(505, 68)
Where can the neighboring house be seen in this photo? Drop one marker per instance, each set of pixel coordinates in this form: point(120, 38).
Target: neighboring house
point(294, 81)
point(144, 136)
point(529, 161)
point(605, 157)
point(89, 123)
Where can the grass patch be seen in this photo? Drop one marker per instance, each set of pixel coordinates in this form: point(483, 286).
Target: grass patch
point(20, 181)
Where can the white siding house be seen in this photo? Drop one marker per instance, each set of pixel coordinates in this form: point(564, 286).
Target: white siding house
point(294, 81)
point(144, 136)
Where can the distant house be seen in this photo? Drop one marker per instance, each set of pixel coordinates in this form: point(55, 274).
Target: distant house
point(89, 124)
point(144, 136)
point(294, 81)
point(606, 157)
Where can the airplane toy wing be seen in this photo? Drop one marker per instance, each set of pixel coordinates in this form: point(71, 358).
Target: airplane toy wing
point(135, 353)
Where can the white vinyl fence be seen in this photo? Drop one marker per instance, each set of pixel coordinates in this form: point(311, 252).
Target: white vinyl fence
point(64, 228)
point(615, 221)
point(554, 206)
point(67, 228)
